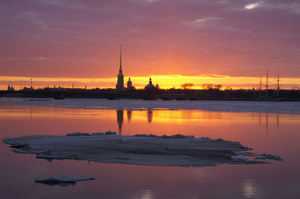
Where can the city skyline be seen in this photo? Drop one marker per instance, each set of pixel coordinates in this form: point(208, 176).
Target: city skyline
point(232, 43)
point(199, 82)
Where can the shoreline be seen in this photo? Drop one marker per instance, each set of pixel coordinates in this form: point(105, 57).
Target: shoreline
point(141, 105)
point(270, 95)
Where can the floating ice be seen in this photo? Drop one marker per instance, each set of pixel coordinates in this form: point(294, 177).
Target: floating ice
point(62, 179)
point(174, 150)
point(239, 158)
point(268, 156)
point(177, 136)
point(78, 134)
point(98, 133)
point(110, 133)
point(87, 134)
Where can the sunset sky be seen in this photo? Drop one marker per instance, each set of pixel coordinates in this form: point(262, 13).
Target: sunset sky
point(228, 42)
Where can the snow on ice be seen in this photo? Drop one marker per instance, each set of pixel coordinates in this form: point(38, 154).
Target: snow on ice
point(141, 149)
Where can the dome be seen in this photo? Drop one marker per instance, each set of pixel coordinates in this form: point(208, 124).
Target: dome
point(150, 86)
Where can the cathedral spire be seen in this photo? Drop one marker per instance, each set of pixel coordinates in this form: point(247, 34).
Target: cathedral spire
point(120, 84)
point(120, 70)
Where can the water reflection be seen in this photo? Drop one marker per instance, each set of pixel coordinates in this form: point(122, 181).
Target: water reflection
point(277, 121)
point(162, 121)
point(276, 180)
point(129, 112)
point(267, 122)
point(120, 116)
point(167, 117)
point(145, 194)
point(149, 115)
point(266, 116)
point(249, 189)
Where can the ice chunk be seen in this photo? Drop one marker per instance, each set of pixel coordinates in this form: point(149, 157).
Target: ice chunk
point(95, 134)
point(176, 150)
point(78, 134)
point(268, 156)
point(110, 133)
point(239, 158)
point(62, 179)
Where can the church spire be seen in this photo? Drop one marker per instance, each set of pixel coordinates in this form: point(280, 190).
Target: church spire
point(120, 70)
point(120, 83)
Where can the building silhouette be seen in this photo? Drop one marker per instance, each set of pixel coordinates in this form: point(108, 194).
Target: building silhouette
point(120, 83)
point(150, 86)
point(129, 84)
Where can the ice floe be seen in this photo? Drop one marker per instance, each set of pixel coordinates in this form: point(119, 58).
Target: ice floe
point(78, 134)
point(268, 156)
point(239, 158)
point(62, 180)
point(87, 134)
point(175, 150)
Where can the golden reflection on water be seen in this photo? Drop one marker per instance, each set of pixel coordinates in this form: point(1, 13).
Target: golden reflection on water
point(149, 116)
point(149, 121)
point(249, 189)
point(145, 194)
point(264, 132)
point(195, 117)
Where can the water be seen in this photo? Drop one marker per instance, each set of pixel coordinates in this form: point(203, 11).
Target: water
point(270, 130)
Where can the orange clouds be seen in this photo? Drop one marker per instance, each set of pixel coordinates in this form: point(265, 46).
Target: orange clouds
point(61, 40)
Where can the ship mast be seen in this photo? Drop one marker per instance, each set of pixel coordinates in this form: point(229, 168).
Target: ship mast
point(267, 84)
point(278, 88)
point(260, 87)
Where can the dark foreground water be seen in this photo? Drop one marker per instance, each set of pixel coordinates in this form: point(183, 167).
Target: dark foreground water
point(276, 133)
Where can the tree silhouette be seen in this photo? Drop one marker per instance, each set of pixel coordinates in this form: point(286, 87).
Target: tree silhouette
point(187, 86)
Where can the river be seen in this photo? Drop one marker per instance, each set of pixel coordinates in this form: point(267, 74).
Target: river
point(267, 127)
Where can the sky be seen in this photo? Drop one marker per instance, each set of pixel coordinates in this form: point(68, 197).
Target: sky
point(77, 42)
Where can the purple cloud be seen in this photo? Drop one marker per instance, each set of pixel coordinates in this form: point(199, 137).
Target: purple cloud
point(80, 38)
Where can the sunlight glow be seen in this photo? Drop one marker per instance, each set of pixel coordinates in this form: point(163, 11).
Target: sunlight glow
point(139, 82)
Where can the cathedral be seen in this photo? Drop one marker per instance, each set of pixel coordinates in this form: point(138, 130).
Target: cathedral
point(120, 82)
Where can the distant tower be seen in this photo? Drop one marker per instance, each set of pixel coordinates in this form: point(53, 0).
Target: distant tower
point(120, 83)
point(129, 84)
point(10, 88)
point(31, 88)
